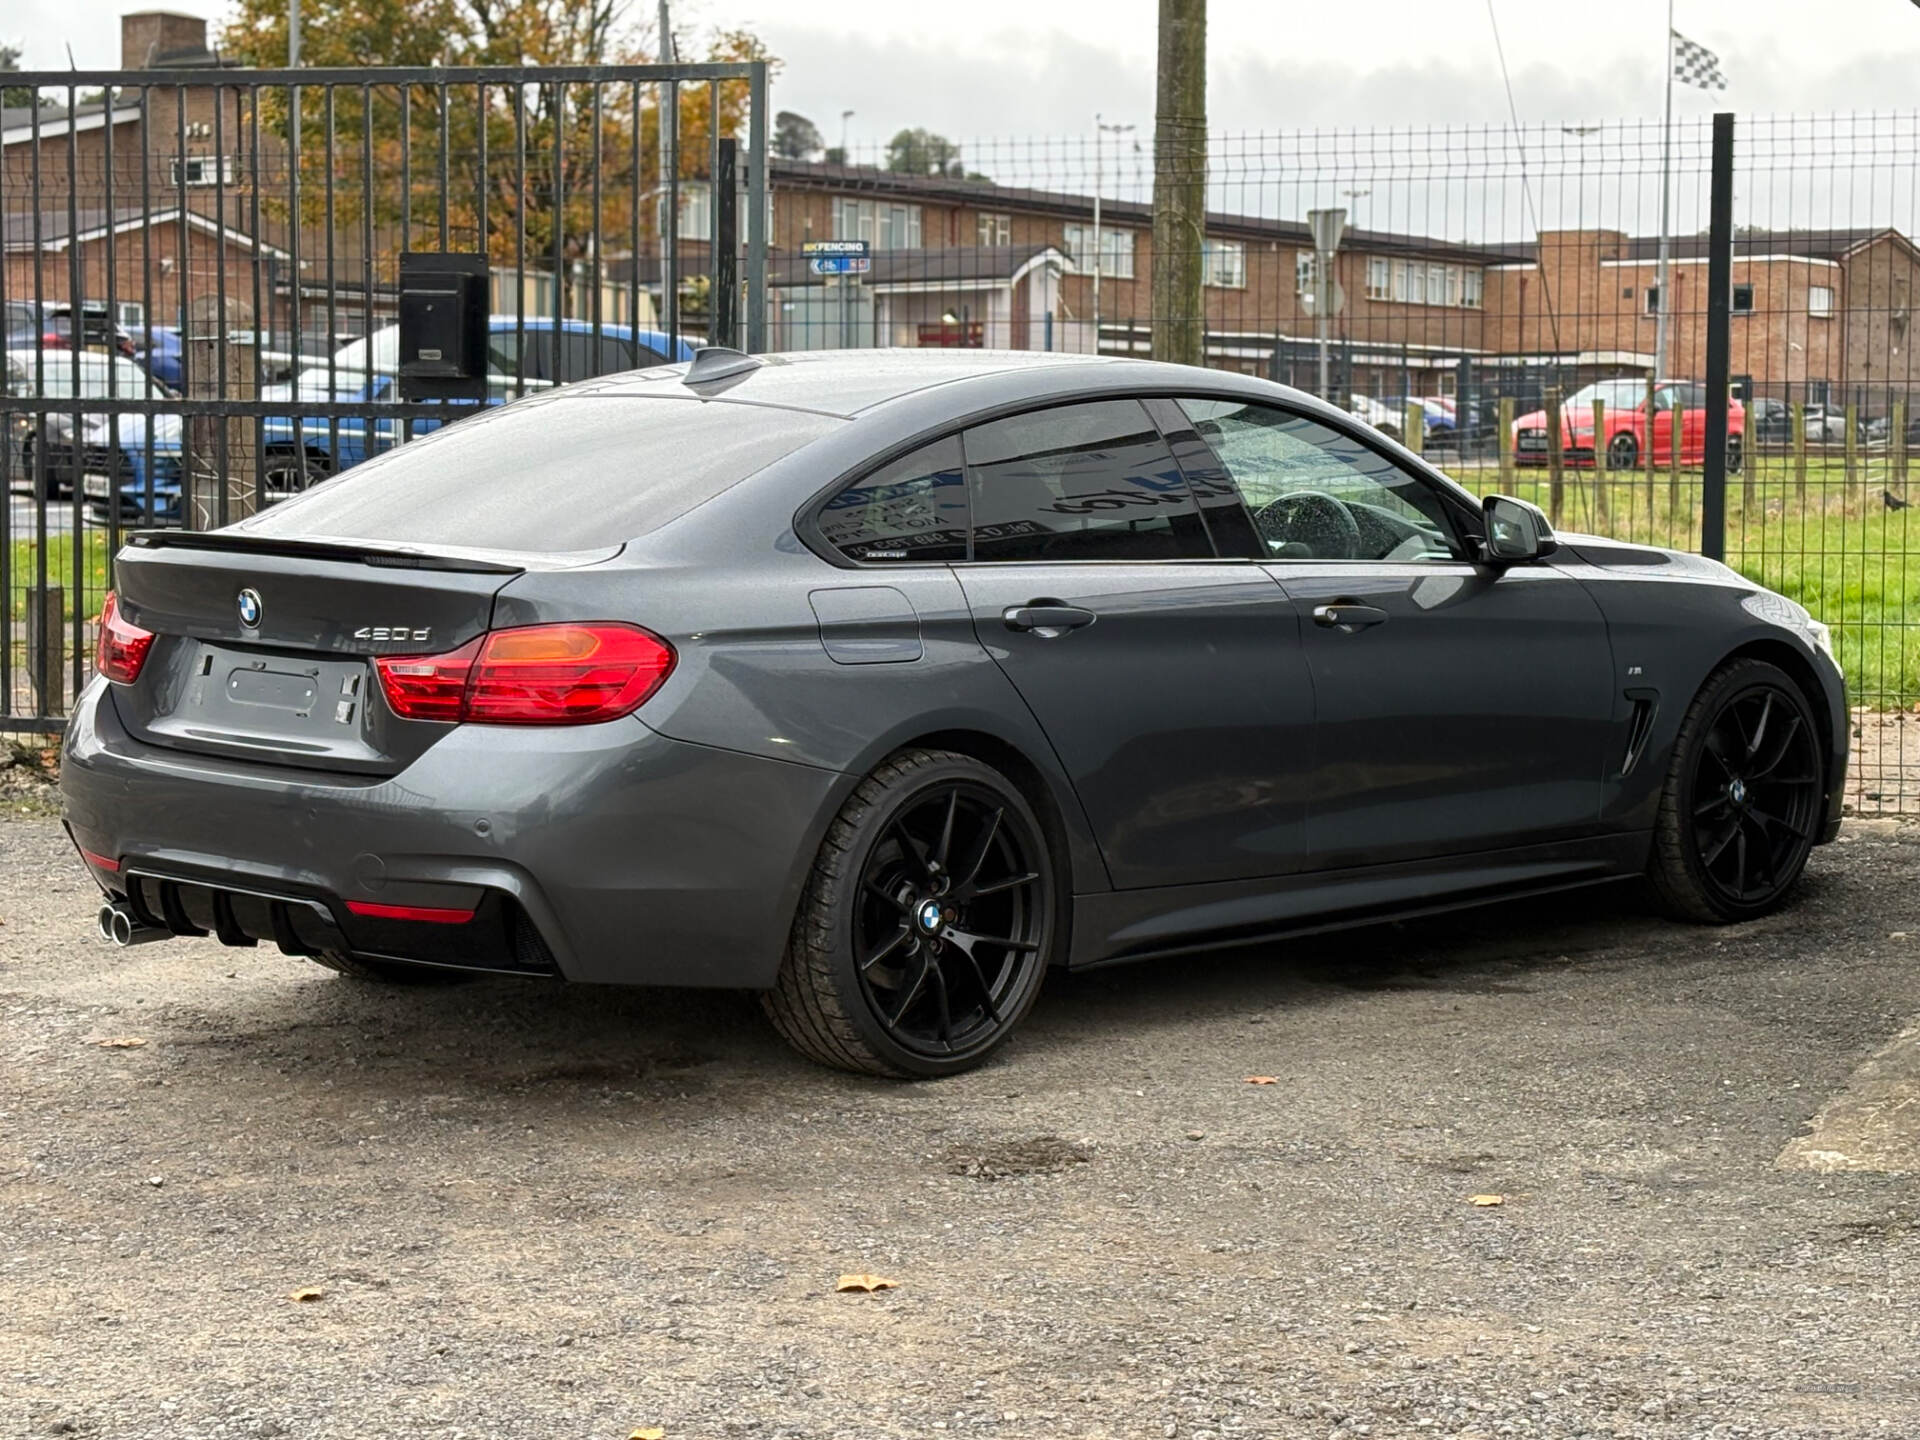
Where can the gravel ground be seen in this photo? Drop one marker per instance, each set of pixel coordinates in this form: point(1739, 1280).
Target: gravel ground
point(535, 1211)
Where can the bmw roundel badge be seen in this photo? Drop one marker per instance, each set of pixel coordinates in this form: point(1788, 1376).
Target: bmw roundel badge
point(251, 609)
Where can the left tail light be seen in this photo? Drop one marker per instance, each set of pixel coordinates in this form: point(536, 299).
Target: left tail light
point(123, 646)
point(533, 675)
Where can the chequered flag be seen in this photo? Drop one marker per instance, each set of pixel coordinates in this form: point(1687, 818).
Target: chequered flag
point(1695, 65)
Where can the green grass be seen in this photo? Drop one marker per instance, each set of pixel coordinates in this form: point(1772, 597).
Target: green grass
point(1832, 544)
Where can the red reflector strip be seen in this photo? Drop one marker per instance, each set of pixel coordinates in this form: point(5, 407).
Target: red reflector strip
point(100, 862)
point(426, 914)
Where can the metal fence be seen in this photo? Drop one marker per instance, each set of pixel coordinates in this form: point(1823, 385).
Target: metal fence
point(1542, 310)
point(200, 285)
point(1466, 284)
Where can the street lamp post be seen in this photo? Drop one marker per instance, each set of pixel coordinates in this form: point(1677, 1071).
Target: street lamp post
point(1100, 129)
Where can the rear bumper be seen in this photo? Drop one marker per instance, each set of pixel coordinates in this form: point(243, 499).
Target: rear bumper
point(637, 859)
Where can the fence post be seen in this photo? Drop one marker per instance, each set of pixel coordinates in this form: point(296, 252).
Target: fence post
point(1599, 463)
point(1799, 412)
point(46, 647)
point(1713, 477)
point(757, 209)
point(1505, 442)
point(1897, 446)
point(1415, 425)
point(1650, 432)
point(1556, 457)
point(724, 303)
point(1852, 442)
point(1675, 429)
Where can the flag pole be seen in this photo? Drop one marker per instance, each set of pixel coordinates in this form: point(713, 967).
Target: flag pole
point(1663, 298)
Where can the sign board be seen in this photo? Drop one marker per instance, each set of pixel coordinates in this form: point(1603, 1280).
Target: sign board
point(838, 257)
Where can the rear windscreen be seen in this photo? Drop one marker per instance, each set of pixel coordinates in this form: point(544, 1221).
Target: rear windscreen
point(554, 473)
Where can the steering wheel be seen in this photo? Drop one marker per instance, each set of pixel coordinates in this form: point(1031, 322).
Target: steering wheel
point(1312, 518)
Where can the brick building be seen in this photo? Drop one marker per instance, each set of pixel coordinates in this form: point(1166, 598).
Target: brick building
point(148, 188)
point(1414, 306)
point(1816, 314)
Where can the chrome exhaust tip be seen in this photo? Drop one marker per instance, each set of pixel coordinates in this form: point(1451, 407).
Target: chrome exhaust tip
point(119, 927)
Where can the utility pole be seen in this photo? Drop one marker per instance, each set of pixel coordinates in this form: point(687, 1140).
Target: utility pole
point(1180, 183)
point(1100, 130)
point(1663, 302)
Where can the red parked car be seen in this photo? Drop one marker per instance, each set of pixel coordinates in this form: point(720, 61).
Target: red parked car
point(1626, 421)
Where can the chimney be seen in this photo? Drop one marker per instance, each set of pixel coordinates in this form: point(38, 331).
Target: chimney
point(149, 38)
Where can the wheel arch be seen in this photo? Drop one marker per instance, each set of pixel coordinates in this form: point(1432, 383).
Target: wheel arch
point(1829, 713)
point(1059, 814)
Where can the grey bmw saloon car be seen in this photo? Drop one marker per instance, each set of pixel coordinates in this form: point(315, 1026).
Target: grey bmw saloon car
point(879, 683)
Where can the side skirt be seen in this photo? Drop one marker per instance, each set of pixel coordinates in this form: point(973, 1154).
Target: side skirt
point(1128, 925)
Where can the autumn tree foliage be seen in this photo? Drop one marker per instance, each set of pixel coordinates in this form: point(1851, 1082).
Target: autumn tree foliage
point(547, 171)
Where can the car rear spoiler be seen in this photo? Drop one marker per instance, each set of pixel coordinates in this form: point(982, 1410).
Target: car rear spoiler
point(365, 552)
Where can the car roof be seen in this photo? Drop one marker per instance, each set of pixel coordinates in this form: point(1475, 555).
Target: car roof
point(844, 382)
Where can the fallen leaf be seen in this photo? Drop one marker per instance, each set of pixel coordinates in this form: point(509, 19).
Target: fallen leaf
point(868, 1283)
point(648, 1432)
point(118, 1042)
point(1489, 1199)
point(306, 1294)
point(1261, 1080)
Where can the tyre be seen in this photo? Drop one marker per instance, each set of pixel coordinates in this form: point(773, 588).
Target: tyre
point(1623, 452)
point(926, 926)
point(390, 972)
point(284, 473)
point(1743, 797)
point(1735, 454)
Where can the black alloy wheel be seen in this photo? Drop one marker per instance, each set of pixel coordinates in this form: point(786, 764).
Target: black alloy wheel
point(1743, 803)
point(927, 924)
point(1623, 451)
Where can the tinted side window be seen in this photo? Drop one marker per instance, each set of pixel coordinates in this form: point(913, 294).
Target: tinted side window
point(1080, 482)
point(576, 357)
point(1319, 494)
point(914, 509)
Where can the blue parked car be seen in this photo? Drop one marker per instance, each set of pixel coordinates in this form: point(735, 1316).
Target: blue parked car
point(106, 452)
point(163, 359)
point(522, 355)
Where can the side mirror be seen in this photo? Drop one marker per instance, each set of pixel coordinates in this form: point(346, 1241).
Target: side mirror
point(1516, 531)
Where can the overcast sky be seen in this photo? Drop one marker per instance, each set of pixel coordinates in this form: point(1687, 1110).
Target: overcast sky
point(1013, 67)
point(1002, 67)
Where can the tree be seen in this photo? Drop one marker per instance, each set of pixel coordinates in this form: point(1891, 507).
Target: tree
point(795, 137)
point(552, 150)
point(921, 152)
point(13, 95)
point(1180, 184)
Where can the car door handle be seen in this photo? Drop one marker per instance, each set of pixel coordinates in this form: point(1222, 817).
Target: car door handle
point(1347, 615)
point(1047, 619)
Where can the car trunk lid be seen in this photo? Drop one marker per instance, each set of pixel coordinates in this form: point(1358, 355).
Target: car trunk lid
point(264, 646)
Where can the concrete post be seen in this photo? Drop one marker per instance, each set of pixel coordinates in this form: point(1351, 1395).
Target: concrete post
point(220, 483)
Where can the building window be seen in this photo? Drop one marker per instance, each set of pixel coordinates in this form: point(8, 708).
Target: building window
point(1743, 297)
point(1410, 282)
point(1116, 246)
point(131, 314)
point(1379, 278)
point(1224, 263)
point(995, 229)
point(1653, 300)
point(1820, 300)
point(1303, 272)
point(202, 170)
point(1437, 292)
point(1473, 288)
point(696, 212)
point(881, 225)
